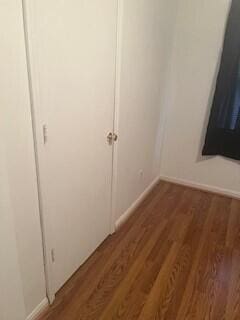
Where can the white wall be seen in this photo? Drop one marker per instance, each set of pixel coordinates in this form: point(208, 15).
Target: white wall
point(146, 30)
point(197, 46)
point(16, 130)
point(11, 301)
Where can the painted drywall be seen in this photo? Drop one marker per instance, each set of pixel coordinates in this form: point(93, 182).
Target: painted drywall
point(145, 39)
point(197, 49)
point(16, 129)
point(11, 292)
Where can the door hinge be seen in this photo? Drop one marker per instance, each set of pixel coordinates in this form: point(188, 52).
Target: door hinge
point(45, 136)
point(53, 255)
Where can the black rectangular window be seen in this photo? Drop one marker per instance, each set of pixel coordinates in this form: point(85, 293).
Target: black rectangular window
point(223, 134)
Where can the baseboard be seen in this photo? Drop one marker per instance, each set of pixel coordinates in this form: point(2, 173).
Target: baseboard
point(38, 310)
point(125, 216)
point(203, 187)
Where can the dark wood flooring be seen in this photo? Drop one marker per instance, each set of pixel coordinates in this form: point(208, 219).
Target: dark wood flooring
point(177, 258)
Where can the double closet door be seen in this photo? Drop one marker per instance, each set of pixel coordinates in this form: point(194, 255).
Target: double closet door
point(72, 59)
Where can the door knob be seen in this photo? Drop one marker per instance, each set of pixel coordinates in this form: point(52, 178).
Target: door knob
point(115, 137)
point(111, 137)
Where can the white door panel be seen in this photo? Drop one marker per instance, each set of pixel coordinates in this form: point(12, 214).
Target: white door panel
point(72, 52)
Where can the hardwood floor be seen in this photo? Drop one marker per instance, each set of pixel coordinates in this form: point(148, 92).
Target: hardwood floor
point(177, 258)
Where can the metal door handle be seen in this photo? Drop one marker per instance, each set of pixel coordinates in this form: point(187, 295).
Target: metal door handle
point(112, 137)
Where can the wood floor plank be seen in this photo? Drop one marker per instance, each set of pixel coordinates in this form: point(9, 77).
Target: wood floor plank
point(78, 290)
point(233, 298)
point(116, 306)
point(177, 258)
point(125, 298)
point(109, 282)
point(233, 234)
point(170, 298)
point(204, 287)
point(187, 309)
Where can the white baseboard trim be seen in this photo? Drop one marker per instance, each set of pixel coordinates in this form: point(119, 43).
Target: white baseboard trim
point(38, 310)
point(203, 187)
point(125, 216)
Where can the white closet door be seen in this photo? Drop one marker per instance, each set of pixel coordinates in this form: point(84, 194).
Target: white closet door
point(72, 45)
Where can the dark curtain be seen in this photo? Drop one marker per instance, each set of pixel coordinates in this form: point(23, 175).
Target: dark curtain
point(223, 134)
